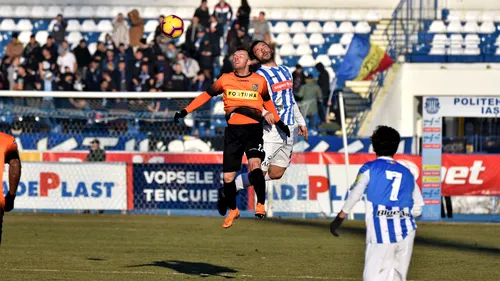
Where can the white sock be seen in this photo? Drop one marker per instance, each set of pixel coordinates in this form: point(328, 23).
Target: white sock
point(242, 182)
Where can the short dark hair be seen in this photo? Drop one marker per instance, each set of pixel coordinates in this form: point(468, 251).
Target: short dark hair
point(241, 48)
point(385, 141)
point(252, 54)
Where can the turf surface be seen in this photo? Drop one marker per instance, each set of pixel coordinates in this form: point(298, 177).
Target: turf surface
point(142, 247)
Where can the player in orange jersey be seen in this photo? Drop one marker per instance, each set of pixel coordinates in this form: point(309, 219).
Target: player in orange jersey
point(10, 155)
point(245, 94)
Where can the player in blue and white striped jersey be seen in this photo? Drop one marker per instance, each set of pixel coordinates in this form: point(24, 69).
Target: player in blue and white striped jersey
point(277, 146)
point(393, 200)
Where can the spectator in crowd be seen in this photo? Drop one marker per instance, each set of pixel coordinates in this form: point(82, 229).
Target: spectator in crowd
point(179, 81)
point(24, 80)
point(12, 72)
point(93, 77)
point(110, 62)
point(14, 48)
point(137, 27)
point(66, 83)
point(108, 42)
point(223, 12)
point(191, 35)
point(79, 84)
point(215, 33)
point(200, 83)
point(122, 54)
point(163, 66)
point(243, 14)
point(240, 40)
point(324, 84)
point(261, 27)
point(32, 53)
point(120, 77)
point(189, 66)
point(205, 58)
point(158, 30)
point(147, 51)
point(120, 31)
point(162, 41)
point(143, 82)
point(48, 63)
point(82, 55)
point(202, 13)
point(171, 51)
point(311, 94)
point(51, 46)
point(299, 78)
point(96, 154)
point(48, 83)
point(100, 51)
point(66, 60)
point(59, 29)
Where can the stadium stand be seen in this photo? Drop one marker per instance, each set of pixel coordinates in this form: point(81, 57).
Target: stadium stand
point(302, 36)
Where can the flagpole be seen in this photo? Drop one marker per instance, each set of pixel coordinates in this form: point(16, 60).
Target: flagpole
point(344, 139)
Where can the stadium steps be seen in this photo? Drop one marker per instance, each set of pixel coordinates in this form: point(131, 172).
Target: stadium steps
point(379, 99)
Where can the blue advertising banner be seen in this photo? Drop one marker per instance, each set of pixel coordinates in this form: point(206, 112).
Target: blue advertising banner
point(144, 143)
point(179, 186)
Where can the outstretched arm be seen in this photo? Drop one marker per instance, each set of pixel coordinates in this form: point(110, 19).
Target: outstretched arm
point(200, 100)
point(356, 193)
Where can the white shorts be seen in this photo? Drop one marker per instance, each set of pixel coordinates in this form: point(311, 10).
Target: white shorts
point(388, 262)
point(277, 154)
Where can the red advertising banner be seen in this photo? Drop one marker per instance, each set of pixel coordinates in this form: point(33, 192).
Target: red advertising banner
point(462, 175)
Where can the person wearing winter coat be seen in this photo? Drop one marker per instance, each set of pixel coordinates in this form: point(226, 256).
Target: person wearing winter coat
point(120, 31)
point(137, 28)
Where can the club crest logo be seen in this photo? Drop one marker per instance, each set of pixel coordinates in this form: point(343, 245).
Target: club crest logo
point(255, 87)
point(432, 105)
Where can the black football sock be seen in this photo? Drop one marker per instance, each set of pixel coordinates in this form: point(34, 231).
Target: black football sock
point(230, 193)
point(258, 181)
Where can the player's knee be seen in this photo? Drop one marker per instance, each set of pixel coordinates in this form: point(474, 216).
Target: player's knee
point(229, 178)
point(276, 173)
point(255, 176)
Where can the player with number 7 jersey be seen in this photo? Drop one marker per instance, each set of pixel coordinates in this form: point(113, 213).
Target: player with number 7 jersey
point(393, 200)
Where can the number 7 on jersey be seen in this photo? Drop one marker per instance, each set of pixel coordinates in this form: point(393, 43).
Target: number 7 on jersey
point(396, 184)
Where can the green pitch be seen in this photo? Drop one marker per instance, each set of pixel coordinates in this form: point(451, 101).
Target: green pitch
point(114, 247)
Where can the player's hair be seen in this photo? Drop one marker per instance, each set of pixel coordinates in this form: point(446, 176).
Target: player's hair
point(385, 141)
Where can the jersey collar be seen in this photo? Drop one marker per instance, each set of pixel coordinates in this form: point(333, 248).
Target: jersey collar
point(385, 158)
point(239, 76)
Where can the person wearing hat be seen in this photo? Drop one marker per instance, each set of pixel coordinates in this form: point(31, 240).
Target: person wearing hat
point(96, 154)
point(310, 94)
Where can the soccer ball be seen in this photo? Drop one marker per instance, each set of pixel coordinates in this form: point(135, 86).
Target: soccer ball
point(172, 26)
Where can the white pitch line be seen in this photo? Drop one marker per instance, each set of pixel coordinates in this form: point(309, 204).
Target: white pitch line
point(177, 273)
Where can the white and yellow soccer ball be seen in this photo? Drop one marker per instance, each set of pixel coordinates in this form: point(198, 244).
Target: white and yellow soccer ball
point(172, 26)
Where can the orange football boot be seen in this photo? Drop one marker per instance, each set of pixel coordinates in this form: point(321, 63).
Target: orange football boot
point(260, 211)
point(233, 215)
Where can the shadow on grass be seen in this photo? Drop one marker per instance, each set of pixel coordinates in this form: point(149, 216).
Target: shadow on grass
point(193, 268)
point(95, 259)
point(360, 231)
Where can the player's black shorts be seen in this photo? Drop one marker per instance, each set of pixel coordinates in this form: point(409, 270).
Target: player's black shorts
point(239, 139)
